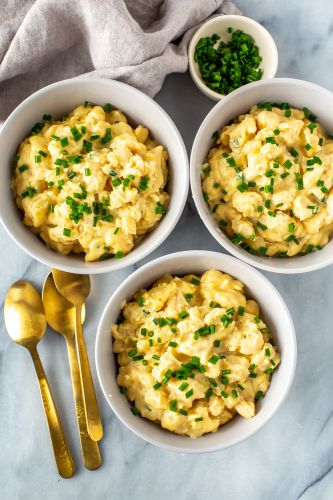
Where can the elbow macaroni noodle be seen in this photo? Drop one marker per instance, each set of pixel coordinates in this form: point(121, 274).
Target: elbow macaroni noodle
point(91, 183)
point(268, 181)
point(193, 352)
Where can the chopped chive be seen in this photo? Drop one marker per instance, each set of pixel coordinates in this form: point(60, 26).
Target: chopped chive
point(107, 107)
point(312, 126)
point(231, 161)
point(116, 182)
point(262, 250)
point(261, 226)
point(134, 410)
point(189, 393)
point(195, 281)
point(138, 358)
point(214, 359)
point(299, 181)
point(241, 311)
point(87, 146)
point(172, 344)
point(167, 376)
point(173, 405)
point(144, 183)
point(107, 137)
point(64, 142)
point(119, 255)
point(76, 134)
point(66, 232)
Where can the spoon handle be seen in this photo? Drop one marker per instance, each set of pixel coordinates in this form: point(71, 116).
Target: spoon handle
point(90, 450)
point(94, 424)
point(61, 450)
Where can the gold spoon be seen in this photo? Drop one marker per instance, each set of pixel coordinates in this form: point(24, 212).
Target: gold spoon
point(60, 315)
point(76, 288)
point(25, 322)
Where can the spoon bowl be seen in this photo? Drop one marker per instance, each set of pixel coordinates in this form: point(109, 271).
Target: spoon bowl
point(24, 314)
point(60, 313)
point(74, 287)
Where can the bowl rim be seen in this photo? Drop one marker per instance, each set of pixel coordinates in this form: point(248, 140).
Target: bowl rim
point(107, 265)
point(225, 18)
point(173, 257)
point(196, 189)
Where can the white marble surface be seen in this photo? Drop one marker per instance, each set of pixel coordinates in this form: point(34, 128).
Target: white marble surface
point(292, 457)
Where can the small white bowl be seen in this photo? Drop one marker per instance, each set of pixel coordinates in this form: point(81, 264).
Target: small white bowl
point(58, 99)
point(274, 312)
point(220, 25)
point(298, 94)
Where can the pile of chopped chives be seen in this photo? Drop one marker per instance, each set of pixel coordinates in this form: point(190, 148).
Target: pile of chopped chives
point(226, 66)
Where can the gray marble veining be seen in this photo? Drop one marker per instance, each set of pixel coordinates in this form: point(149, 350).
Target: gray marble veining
point(292, 457)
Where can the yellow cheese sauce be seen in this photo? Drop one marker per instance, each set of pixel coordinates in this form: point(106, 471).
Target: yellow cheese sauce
point(268, 181)
point(91, 183)
point(193, 352)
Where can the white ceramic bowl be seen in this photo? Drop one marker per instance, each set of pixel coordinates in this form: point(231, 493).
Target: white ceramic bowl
point(298, 94)
point(274, 312)
point(220, 25)
point(58, 99)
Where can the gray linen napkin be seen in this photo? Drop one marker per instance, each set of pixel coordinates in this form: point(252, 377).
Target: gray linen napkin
point(136, 41)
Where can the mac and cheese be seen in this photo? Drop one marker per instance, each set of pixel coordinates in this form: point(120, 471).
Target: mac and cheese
point(91, 183)
point(268, 181)
point(193, 352)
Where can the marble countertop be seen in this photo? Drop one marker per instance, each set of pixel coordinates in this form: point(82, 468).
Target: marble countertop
point(292, 457)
